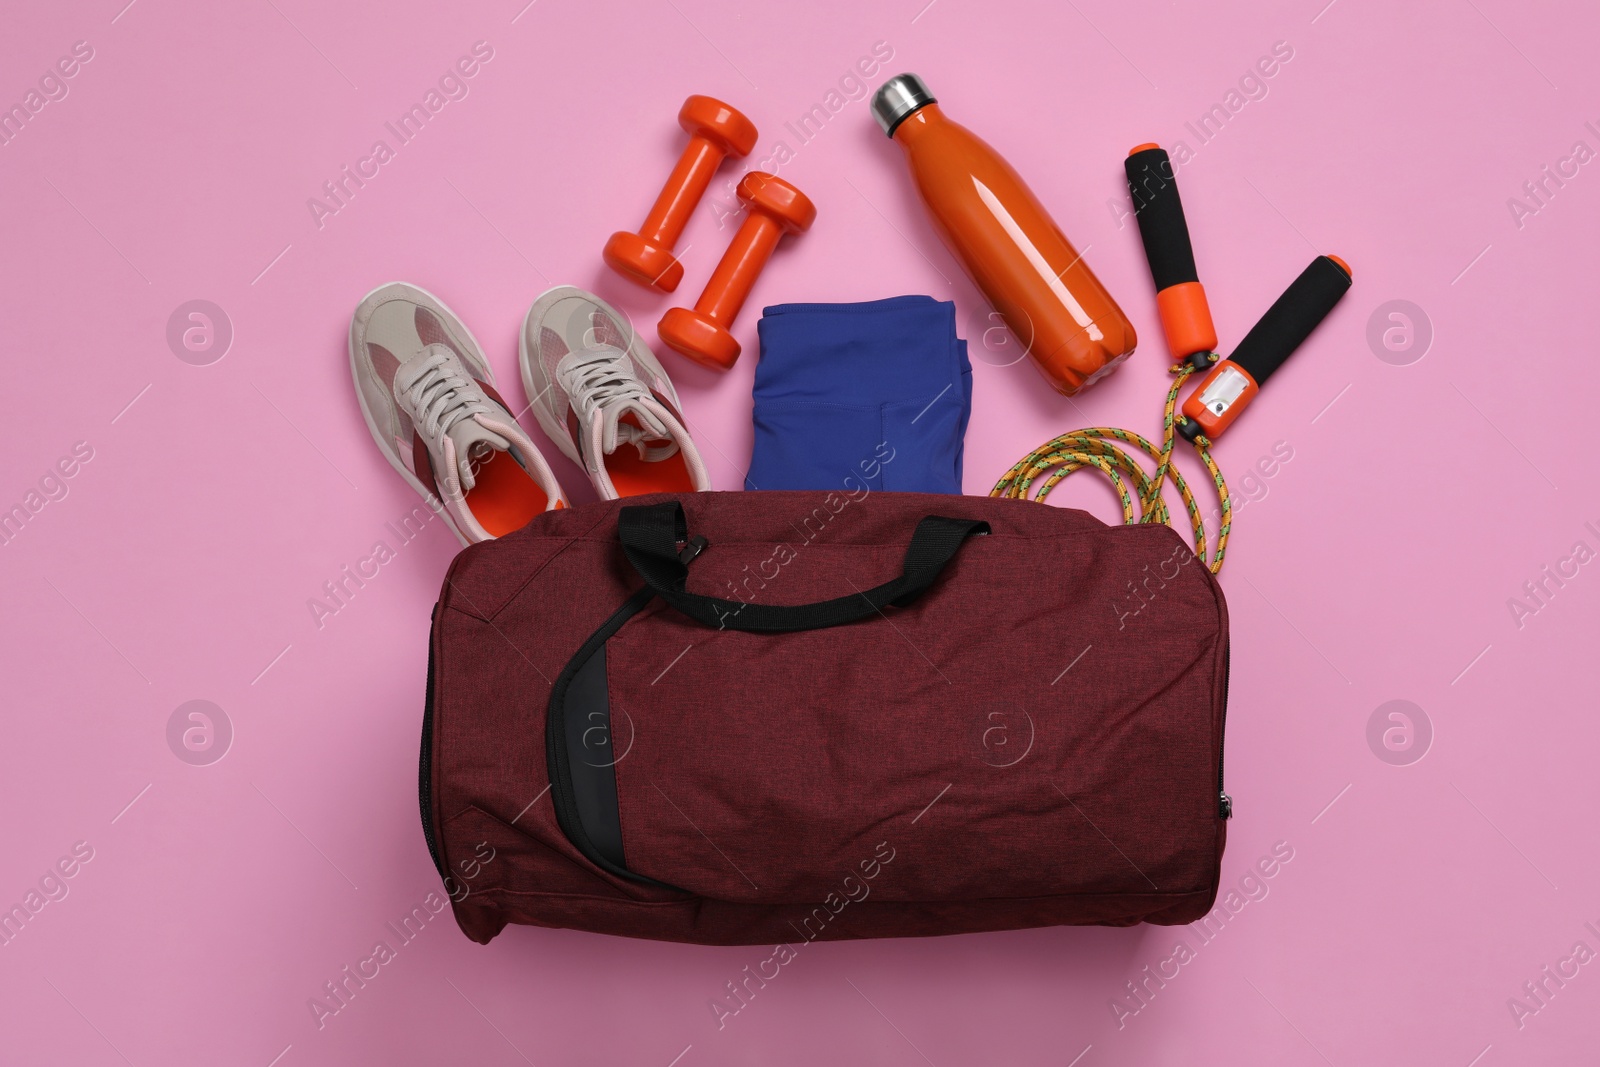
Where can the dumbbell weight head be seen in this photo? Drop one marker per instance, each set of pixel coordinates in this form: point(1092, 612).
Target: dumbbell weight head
point(723, 126)
point(715, 131)
point(640, 261)
point(698, 336)
point(775, 197)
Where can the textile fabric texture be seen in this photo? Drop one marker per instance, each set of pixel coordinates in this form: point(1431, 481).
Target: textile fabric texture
point(875, 394)
point(1035, 740)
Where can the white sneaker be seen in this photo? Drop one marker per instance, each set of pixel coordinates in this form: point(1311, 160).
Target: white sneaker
point(429, 399)
point(602, 397)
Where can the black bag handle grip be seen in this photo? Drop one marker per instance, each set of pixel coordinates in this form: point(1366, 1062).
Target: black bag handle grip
point(650, 534)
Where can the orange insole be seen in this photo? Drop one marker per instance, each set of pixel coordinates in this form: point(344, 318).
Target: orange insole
point(633, 475)
point(505, 498)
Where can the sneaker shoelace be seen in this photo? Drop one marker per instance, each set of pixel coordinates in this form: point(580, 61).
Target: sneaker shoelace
point(442, 397)
point(600, 381)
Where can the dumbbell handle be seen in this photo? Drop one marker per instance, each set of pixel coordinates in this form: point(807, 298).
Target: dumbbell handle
point(690, 179)
point(737, 270)
point(1181, 300)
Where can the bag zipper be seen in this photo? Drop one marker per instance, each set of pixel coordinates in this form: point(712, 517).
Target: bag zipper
point(692, 549)
point(1224, 801)
point(425, 761)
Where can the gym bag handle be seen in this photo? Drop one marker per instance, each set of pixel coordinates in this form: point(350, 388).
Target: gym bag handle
point(650, 535)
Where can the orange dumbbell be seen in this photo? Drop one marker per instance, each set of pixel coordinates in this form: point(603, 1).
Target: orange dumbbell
point(715, 131)
point(773, 208)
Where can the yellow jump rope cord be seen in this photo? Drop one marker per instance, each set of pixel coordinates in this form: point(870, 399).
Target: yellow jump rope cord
point(1091, 448)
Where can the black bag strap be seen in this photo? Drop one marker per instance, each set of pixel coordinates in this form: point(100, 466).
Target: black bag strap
point(651, 533)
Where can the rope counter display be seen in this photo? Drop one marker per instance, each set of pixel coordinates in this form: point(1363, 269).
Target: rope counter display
point(1224, 392)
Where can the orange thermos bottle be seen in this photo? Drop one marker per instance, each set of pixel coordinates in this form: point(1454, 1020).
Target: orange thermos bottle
point(990, 220)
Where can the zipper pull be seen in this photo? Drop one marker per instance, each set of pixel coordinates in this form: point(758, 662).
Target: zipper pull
point(1224, 806)
point(697, 544)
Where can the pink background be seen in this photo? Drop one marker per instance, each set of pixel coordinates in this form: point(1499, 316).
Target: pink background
point(1375, 565)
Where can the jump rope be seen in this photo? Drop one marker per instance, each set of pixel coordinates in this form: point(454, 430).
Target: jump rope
point(1223, 393)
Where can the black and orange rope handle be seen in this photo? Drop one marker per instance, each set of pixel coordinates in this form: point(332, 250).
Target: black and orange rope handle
point(1223, 394)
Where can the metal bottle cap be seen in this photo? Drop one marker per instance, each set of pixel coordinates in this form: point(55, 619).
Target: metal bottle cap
point(897, 98)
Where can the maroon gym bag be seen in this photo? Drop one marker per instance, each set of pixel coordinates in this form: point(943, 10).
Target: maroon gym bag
point(766, 717)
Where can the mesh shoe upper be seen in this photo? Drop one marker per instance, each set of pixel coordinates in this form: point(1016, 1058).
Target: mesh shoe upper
point(595, 387)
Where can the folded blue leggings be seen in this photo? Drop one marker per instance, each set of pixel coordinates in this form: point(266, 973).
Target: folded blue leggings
point(875, 394)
